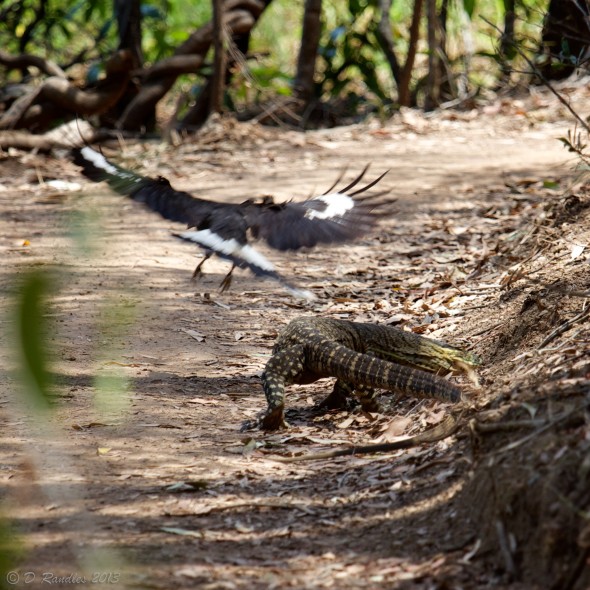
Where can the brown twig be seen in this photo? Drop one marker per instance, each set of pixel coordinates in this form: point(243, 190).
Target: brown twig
point(25, 60)
point(505, 549)
point(565, 327)
point(548, 425)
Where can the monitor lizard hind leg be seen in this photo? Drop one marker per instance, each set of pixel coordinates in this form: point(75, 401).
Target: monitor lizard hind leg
point(368, 398)
point(339, 398)
point(342, 394)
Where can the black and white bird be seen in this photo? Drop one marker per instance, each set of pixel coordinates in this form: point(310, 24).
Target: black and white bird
point(223, 228)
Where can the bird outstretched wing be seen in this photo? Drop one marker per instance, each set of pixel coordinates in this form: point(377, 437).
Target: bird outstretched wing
point(156, 193)
point(334, 217)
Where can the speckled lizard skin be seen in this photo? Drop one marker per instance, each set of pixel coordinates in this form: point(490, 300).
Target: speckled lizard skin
point(362, 357)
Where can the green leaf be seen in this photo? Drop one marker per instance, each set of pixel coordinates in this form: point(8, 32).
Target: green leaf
point(11, 551)
point(31, 327)
point(469, 6)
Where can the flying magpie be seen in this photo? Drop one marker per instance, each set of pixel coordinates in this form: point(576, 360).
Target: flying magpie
point(223, 229)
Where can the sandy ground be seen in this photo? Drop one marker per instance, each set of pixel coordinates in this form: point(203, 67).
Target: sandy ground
point(139, 477)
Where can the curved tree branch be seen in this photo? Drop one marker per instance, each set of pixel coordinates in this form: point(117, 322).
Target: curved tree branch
point(239, 18)
point(173, 66)
point(20, 62)
point(58, 95)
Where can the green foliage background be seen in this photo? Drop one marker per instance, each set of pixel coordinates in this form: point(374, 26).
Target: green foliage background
point(351, 62)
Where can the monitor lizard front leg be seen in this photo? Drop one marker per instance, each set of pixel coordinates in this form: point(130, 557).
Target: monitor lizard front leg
point(283, 368)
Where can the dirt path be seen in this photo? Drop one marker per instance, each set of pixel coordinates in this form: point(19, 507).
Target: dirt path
point(140, 476)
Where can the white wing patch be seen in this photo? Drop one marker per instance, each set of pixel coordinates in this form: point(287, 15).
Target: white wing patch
point(98, 160)
point(301, 293)
point(211, 240)
point(208, 239)
point(337, 204)
point(102, 163)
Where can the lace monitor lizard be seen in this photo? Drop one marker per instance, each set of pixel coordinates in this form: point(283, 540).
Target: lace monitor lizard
point(362, 357)
point(224, 229)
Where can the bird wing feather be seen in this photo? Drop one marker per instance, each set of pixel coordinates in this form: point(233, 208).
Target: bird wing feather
point(155, 193)
point(332, 217)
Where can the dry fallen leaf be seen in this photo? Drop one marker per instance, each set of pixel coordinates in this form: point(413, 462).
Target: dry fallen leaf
point(345, 423)
point(182, 532)
point(577, 249)
point(395, 429)
point(204, 401)
point(89, 425)
point(194, 334)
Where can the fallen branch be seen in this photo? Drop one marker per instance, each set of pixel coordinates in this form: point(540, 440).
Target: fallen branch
point(505, 548)
point(446, 428)
point(62, 137)
point(26, 141)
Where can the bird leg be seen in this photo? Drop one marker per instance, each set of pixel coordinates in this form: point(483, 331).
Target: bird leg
point(225, 284)
point(198, 272)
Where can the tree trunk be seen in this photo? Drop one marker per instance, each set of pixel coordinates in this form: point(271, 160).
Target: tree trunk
point(406, 73)
point(239, 18)
point(219, 60)
point(442, 27)
point(431, 100)
point(566, 34)
point(507, 40)
point(385, 38)
point(128, 13)
point(199, 112)
point(310, 39)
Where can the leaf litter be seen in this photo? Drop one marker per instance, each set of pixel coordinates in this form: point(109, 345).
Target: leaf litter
point(487, 251)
